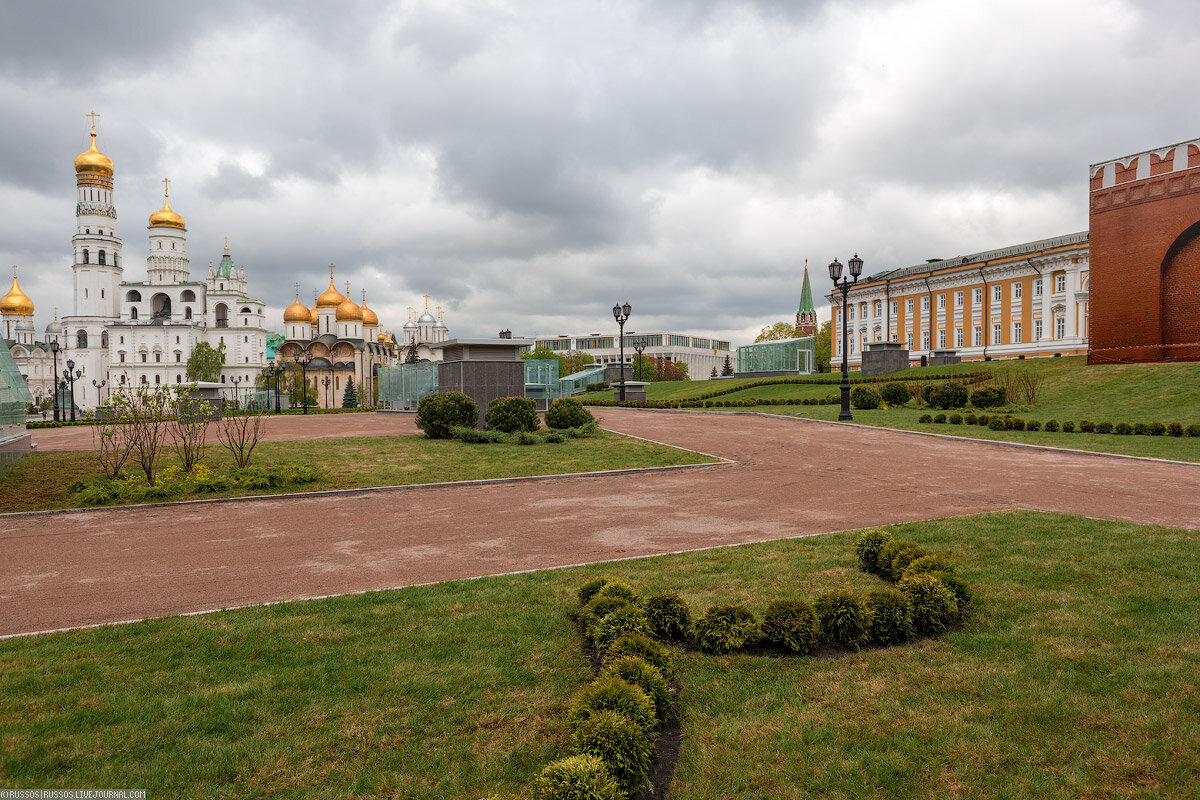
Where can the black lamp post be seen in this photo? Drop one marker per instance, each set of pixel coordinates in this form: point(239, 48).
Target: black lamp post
point(235, 380)
point(844, 284)
point(325, 382)
point(99, 385)
point(54, 348)
point(69, 376)
point(303, 361)
point(621, 315)
point(639, 346)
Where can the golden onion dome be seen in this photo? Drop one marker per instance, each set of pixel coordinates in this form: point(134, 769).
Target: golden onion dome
point(331, 297)
point(92, 160)
point(16, 302)
point(297, 312)
point(349, 311)
point(368, 316)
point(381, 338)
point(165, 217)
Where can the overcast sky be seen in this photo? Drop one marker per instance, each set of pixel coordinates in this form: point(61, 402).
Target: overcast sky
point(529, 164)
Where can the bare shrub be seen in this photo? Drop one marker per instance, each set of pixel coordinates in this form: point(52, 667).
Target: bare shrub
point(241, 433)
point(112, 442)
point(145, 412)
point(1030, 383)
point(189, 428)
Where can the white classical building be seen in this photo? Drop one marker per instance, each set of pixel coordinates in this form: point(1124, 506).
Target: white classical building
point(702, 354)
point(135, 331)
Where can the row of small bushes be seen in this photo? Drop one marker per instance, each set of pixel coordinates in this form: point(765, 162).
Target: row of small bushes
point(946, 395)
point(445, 415)
point(599, 386)
point(174, 481)
point(745, 402)
point(541, 436)
point(1010, 423)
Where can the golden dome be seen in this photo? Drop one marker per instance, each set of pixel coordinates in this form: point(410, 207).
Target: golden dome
point(166, 217)
point(298, 312)
point(381, 338)
point(331, 297)
point(16, 302)
point(368, 316)
point(92, 160)
point(349, 311)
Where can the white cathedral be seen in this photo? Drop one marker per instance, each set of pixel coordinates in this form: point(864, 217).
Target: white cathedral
point(134, 331)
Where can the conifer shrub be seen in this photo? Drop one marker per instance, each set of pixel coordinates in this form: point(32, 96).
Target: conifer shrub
point(889, 617)
point(599, 386)
point(1015, 424)
point(1087, 426)
point(512, 414)
point(578, 777)
point(597, 609)
point(616, 587)
point(1051, 426)
point(437, 414)
point(1192, 430)
point(1156, 429)
point(934, 607)
point(934, 562)
point(955, 419)
point(997, 424)
point(962, 592)
point(1033, 425)
point(895, 394)
point(629, 618)
point(589, 589)
point(1068, 427)
point(867, 546)
point(725, 629)
point(864, 397)
point(888, 552)
point(989, 397)
point(609, 693)
point(903, 557)
point(791, 625)
point(1123, 429)
point(925, 418)
point(947, 395)
point(970, 419)
point(641, 673)
point(939, 419)
point(669, 615)
point(1104, 427)
point(1175, 429)
point(927, 394)
point(843, 618)
point(642, 646)
point(567, 412)
point(621, 745)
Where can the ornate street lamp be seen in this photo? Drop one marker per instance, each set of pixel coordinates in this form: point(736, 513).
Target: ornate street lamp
point(843, 285)
point(54, 348)
point(325, 382)
point(304, 361)
point(69, 376)
point(235, 380)
point(639, 346)
point(621, 315)
point(98, 386)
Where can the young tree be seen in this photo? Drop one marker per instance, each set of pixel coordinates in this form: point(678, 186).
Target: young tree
point(780, 330)
point(713, 374)
point(205, 362)
point(727, 367)
point(189, 427)
point(349, 397)
point(361, 394)
point(295, 386)
point(146, 412)
point(824, 345)
point(643, 368)
point(239, 434)
point(112, 440)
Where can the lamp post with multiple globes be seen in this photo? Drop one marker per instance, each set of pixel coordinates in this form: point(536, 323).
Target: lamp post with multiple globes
point(843, 285)
point(621, 315)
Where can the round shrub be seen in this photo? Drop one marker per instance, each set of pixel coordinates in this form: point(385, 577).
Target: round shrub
point(512, 414)
point(1174, 429)
point(567, 412)
point(1087, 426)
point(997, 424)
point(669, 615)
point(1123, 429)
point(589, 589)
point(955, 419)
point(629, 618)
point(1141, 429)
point(895, 394)
point(437, 414)
point(725, 628)
point(791, 625)
point(1192, 430)
point(889, 615)
point(962, 592)
point(939, 419)
point(1068, 427)
point(843, 618)
point(927, 393)
point(969, 419)
point(1104, 427)
point(948, 394)
point(904, 557)
point(988, 397)
point(642, 646)
point(1033, 425)
point(609, 693)
point(934, 607)
point(597, 609)
point(1051, 426)
point(1016, 424)
point(934, 562)
point(984, 420)
point(619, 588)
point(1156, 429)
point(621, 745)
point(867, 546)
point(925, 418)
point(579, 777)
point(647, 677)
point(864, 397)
point(883, 560)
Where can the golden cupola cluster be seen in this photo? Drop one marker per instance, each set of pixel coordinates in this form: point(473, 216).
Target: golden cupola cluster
point(348, 310)
point(16, 302)
point(165, 217)
point(92, 160)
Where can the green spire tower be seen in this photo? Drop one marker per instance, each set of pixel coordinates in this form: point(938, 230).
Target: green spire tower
point(806, 314)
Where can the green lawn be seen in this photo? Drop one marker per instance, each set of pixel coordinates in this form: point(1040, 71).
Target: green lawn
point(42, 480)
point(1076, 676)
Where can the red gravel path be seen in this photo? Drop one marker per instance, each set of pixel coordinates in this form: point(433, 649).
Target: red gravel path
point(791, 477)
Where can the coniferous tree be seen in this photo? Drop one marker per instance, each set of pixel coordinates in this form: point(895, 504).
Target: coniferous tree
point(713, 374)
point(727, 367)
point(350, 398)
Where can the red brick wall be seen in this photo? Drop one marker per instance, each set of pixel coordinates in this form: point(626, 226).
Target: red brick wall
point(1133, 227)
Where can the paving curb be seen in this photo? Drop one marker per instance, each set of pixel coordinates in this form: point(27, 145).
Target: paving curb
point(998, 442)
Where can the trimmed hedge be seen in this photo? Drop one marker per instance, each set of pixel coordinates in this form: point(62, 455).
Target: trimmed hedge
point(512, 415)
point(864, 397)
point(579, 777)
point(567, 412)
point(726, 628)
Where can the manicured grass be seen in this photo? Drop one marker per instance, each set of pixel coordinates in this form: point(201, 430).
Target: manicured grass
point(42, 480)
point(1075, 676)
